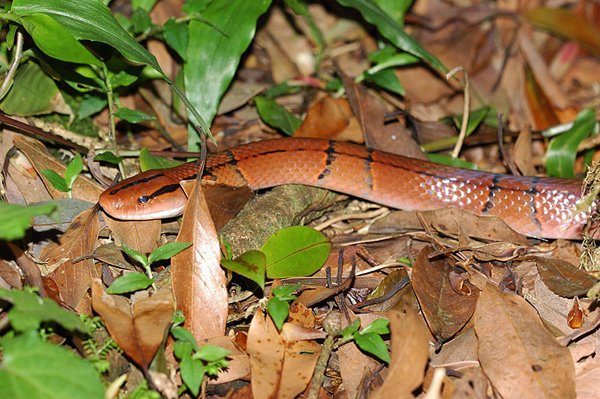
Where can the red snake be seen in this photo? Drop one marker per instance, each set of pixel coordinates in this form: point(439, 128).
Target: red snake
point(535, 206)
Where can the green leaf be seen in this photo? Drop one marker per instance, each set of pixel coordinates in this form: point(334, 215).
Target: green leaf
point(56, 41)
point(16, 219)
point(149, 161)
point(374, 344)
point(33, 92)
point(73, 170)
point(212, 353)
point(349, 331)
point(89, 20)
point(143, 4)
point(395, 8)
point(135, 255)
point(182, 349)
point(278, 310)
point(392, 31)
point(132, 115)
point(213, 57)
point(176, 37)
point(192, 373)
point(108, 157)
point(295, 251)
point(562, 150)
point(29, 311)
point(184, 335)
point(445, 159)
point(286, 292)
point(386, 79)
point(31, 368)
point(91, 105)
point(475, 119)
point(167, 251)
point(57, 181)
point(140, 20)
point(130, 282)
point(276, 116)
point(251, 264)
point(379, 326)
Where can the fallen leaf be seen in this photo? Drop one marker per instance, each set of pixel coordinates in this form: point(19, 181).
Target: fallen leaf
point(138, 325)
point(73, 279)
point(445, 310)
point(141, 235)
point(330, 118)
point(410, 352)
point(199, 283)
point(519, 356)
point(563, 278)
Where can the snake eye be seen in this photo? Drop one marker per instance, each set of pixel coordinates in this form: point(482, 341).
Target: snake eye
point(143, 199)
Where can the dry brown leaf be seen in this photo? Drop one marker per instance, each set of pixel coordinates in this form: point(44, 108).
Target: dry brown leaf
point(588, 375)
point(330, 118)
point(280, 369)
point(138, 325)
point(199, 283)
point(410, 351)
point(224, 202)
point(445, 310)
point(30, 270)
point(459, 352)
point(73, 279)
point(522, 151)
point(141, 235)
point(563, 278)
point(519, 356)
point(239, 361)
point(83, 187)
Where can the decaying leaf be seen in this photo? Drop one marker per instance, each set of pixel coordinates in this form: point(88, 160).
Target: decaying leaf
point(445, 310)
point(280, 369)
point(73, 279)
point(141, 235)
point(199, 283)
point(563, 278)
point(138, 325)
point(410, 352)
point(519, 356)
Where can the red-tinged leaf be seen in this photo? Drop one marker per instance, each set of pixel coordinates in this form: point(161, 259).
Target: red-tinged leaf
point(410, 352)
point(445, 310)
point(280, 369)
point(199, 283)
point(138, 325)
point(141, 235)
point(567, 24)
point(517, 353)
point(73, 279)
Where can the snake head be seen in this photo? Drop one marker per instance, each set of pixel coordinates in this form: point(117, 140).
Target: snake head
point(149, 195)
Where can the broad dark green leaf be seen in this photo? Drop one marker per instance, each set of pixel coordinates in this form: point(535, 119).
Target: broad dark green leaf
point(392, 30)
point(374, 344)
point(143, 4)
point(286, 292)
point(91, 105)
point(213, 54)
point(212, 353)
point(562, 150)
point(379, 326)
point(176, 36)
point(251, 264)
point(130, 282)
point(475, 118)
point(276, 116)
point(133, 115)
point(108, 157)
point(73, 170)
point(89, 20)
point(149, 161)
point(135, 255)
point(386, 79)
point(57, 181)
point(33, 92)
point(29, 311)
point(295, 251)
point(349, 331)
point(278, 310)
point(16, 219)
point(167, 251)
point(395, 8)
point(182, 334)
point(192, 373)
point(31, 368)
point(56, 41)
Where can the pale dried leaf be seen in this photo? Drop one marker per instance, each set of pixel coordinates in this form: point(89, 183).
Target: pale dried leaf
point(519, 356)
point(141, 235)
point(199, 283)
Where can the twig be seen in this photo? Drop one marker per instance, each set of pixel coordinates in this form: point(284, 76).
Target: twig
point(332, 325)
point(466, 110)
point(8, 80)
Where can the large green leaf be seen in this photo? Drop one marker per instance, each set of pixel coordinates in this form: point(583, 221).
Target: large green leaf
point(392, 30)
point(562, 150)
point(89, 20)
point(214, 52)
point(16, 219)
point(31, 368)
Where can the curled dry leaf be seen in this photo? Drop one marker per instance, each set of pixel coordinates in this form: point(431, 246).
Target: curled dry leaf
point(138, 325)
point(445, 310)
point(73, 279)
point(280, 369)
point(141, 235)
point(199, 283)
point(410, 351)
point(330, 118)
point(519, 356)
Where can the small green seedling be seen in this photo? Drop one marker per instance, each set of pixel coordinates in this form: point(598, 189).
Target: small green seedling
point(65, 184)
point(278, 306)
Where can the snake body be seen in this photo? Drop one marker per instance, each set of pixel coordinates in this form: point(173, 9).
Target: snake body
point(535, 206)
